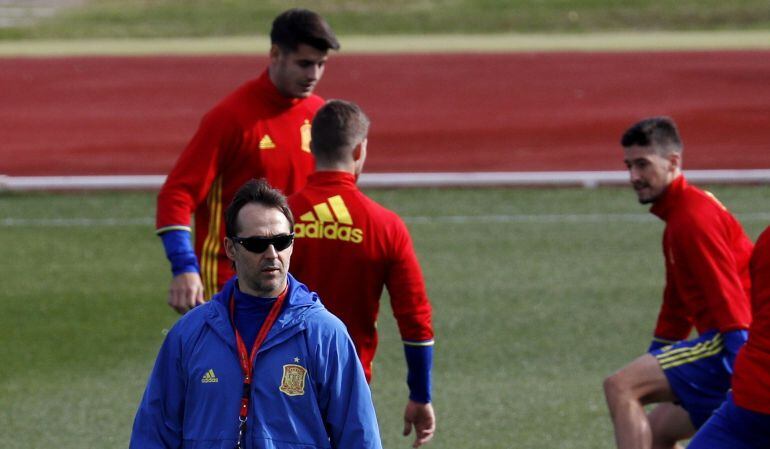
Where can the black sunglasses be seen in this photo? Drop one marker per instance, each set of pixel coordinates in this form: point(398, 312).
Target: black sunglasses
point(259, 244)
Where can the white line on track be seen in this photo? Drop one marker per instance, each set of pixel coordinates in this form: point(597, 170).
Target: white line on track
point(436, 43)
point(395, 180)
point(411, 219)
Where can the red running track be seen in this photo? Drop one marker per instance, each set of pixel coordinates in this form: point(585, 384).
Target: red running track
point(445, 112)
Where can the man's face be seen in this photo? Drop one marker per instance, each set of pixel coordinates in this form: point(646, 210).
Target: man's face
point(260, 274)
point(296, 73)
point(650, 173)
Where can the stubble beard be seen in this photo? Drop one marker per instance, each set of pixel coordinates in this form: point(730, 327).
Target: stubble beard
point(268, 287)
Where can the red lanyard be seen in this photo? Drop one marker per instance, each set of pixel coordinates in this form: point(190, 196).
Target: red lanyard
point(247, 362)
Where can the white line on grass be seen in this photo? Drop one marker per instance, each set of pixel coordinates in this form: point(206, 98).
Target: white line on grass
point(411, 219)
point(560, 218)
point(529, 218)
point(80, 222)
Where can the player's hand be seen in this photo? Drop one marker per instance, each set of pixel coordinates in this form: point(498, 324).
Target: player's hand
point(186, 292)
point(421, 417)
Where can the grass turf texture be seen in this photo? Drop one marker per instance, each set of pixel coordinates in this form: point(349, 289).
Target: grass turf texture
point(173, 18)
point(535, 299)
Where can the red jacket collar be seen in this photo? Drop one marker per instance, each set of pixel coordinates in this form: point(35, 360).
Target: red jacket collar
point(662, 206)
point(332, 178)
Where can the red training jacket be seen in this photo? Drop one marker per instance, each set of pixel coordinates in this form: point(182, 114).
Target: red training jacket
point(255, 132)
point(347, 247)
point(751, 379)
point(707, 257)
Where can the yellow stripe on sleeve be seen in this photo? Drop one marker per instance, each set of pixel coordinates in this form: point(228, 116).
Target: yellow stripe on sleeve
point(211, 245)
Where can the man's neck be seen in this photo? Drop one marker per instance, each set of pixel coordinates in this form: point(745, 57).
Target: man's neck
point(342, 167)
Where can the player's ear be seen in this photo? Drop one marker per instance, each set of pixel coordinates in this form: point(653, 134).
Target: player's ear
point(275, 53)
point(229, 248)
point(359, 151)
point(675, 159)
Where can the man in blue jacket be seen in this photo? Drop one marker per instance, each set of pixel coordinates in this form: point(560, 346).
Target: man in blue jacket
point(263, 364)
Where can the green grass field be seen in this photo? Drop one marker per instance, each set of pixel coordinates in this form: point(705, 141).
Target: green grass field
point(175, 18)
point(538, 294)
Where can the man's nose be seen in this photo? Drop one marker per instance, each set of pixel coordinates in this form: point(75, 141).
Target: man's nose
point(270, 252)
point(314, 72)
point(633, 174)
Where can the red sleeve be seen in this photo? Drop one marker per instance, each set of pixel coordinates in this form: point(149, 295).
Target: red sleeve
point(406, 288)
point(751, 378)
point(704, 252)
point(188, 183)
point(760, 282)
point(673, 322)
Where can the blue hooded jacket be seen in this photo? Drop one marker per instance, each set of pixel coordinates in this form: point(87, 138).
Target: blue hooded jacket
point(309, 390)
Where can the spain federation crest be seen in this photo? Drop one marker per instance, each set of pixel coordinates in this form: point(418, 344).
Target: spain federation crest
point(304, 132)
point(293, 380)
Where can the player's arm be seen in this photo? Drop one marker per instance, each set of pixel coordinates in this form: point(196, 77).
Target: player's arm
point(412, 311)
point(672, 325)
point(710, 259)
point(186, 290)
point(419, 413)
point(673, 319)
point(186, 187)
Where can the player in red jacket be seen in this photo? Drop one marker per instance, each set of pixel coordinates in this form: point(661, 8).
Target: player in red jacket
point(261, 130)
point(707, 287)
point(347, 247)
point(743, 421)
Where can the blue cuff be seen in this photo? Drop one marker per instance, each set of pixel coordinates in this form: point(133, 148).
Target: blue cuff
point(419, 362)
point(179, 251)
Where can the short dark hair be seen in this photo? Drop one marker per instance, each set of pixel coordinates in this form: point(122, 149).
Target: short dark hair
point(660, 133)
point(255, 191)
point(302, 26)
point(337, 128)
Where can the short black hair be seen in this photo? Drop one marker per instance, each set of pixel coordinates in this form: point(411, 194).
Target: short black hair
point(255, 191)
point(658, 132)
point(302, 26)
point(337, 128)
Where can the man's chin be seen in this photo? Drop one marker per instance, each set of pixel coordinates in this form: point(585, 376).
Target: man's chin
point(271, 286)
point(647, 199)
point(303, 93)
